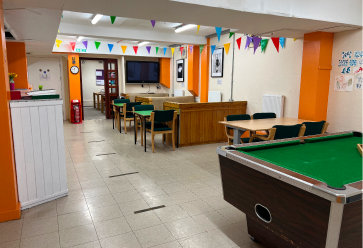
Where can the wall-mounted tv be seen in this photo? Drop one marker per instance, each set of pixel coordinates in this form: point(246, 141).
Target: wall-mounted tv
point(142, 72)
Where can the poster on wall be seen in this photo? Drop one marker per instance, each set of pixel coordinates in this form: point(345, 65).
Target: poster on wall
point(217, 62)
point(358, 81)
point(344, 83)
point(357, 70)
point(180, 70)
point(44, 75)
point(100, 78)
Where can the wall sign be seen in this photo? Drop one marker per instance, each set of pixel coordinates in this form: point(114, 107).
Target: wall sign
point(100, 78)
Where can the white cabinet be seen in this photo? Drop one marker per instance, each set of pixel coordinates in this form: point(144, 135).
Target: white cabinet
point(39, 150)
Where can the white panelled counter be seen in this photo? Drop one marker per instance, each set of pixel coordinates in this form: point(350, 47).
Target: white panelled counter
point(39, 150)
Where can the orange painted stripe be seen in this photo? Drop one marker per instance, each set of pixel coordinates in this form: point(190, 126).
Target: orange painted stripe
point(165, 72)
point(17, 63)
point(204, 77)
point(193, 71)
point(74, 80)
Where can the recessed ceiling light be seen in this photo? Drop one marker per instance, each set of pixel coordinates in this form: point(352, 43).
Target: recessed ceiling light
point(79, 38)
point(184, 27)
point(96, 18)
point(143, 43)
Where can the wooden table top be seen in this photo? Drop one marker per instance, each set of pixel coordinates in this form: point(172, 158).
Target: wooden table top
point(263, 124)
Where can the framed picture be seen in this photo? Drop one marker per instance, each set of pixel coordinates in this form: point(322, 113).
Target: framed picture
point(185, 52)
point(217, 62)
point(180, 70)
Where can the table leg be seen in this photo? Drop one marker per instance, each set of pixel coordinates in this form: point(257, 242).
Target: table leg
point(98, 101)
point(102, 103)
point(94, 100)
point(119, 121)
point(237, 133)
point(135, 128)
point(113, 118)
point(177, 131)
point(144, 132)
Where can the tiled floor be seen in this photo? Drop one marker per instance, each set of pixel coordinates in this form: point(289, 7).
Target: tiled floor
point(91, 113)
point(99, 211)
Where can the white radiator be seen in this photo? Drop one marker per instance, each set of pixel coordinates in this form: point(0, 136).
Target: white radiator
point(274, 104)
point(179, 93)
point(214, 96)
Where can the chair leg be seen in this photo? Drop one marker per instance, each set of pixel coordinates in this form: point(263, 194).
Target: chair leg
point(163, 138)
point(167, 139)
point(142, 136)
point(173, 139)
point(152, 142)
point(130, 124)
point(125, 125)
point(136, 133)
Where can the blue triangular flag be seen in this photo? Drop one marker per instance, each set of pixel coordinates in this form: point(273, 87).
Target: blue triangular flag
point(282, 42)
point(110, 46)
point(218, 31)
point(165, 48)
point(213, 48)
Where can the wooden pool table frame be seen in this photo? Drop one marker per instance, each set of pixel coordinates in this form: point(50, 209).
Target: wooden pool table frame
point(305, 212)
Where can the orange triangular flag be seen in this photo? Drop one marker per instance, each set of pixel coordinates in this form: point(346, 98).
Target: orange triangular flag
point(226, 46)
point(123, 49)
point(275, 40)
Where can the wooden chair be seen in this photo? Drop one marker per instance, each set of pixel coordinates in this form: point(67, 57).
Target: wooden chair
point(229, 130)
point(157, 126)
point(281, 132)
point(127, 113)
point(314, 128)
point(118, 115)
point(138, 121)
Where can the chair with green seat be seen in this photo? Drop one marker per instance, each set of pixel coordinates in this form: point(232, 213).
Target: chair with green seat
point(281, 132)
point(118, 113)
point(127, 113)
point(138, 121)
point(229, 130)
point(158, 125)
point(314, 128)
point(256, 116)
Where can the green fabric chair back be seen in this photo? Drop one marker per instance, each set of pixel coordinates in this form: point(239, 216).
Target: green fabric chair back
point(238, 117)
point(257, 116)
point(313, 128)
point(129, 105)
point(163, 115)
point(121, 100)
point(286, 132)
point(143, 107)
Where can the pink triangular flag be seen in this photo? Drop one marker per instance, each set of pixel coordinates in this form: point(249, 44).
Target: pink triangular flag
point(73, 45)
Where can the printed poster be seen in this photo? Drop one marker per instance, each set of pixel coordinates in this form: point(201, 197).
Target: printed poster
point(358, 81)
point(357, 70)
point(344, 83)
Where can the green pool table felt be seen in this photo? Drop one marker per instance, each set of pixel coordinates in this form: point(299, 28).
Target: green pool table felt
point(334, 160)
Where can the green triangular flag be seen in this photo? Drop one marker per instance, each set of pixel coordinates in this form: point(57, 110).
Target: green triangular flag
point(157, 49)
point(113, 18)
point(201, 48)
point(263, 44)
point(97, 43)
point(230, 34)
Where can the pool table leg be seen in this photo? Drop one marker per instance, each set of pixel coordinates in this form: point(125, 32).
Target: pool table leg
point(237, 133)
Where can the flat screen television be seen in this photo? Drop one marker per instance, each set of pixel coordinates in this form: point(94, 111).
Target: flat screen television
point(142, 72)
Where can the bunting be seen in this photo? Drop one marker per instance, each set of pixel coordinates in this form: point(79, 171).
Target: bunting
point(135, 49)
point(113, 18)
point(201, 47)
point(282, 42)
point(275, 40)
point(231, 34)
point(148, 48)
point(58, 31)
point(198, 27)
point(256, 41)
point(218, 31)
point(181, 51)
point(110, 47)
point(226, 47)
point(212, 48)
point(73, 45)
point(172, 51)
point(85, 43)
point(157, 49)
point(263, 45)
point(191, 49)
point(152, 23)
point(97, 44)
point(58, 42)
point(123, 49)
point(239, 42)
point(248, 41)
point(165, 48)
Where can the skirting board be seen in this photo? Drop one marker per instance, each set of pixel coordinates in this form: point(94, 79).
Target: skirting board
point(49, 198)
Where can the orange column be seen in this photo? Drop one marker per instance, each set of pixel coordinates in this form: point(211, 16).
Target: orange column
point(9, 204)
point(17, 63)
point(74, 80)
point(165, 72)
point(204, 70)
point(315, 75)
point(193, 71)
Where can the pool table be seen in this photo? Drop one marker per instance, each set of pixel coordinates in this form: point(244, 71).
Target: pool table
point(299, 192)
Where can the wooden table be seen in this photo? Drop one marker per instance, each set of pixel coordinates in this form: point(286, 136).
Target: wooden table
point(145, 114)
point(239, 127)
point(116, 106)
point(97, 100)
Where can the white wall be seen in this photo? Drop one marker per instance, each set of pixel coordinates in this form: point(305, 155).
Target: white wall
point(344, 108)
point(89, 80)
point(261, 73)
point(179, 85)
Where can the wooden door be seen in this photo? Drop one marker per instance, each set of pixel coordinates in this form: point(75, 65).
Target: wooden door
point(111, 84)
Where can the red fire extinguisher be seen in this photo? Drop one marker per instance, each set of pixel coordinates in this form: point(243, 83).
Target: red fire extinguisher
point(76, 112)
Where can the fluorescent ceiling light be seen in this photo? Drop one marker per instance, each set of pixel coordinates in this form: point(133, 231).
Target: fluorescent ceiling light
point(96, 18)
point(79, 38)
point(184, 27)
point(143, 43)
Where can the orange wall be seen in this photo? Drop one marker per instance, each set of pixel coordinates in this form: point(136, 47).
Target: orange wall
point(193, 71)
point(17, 63)
point(204, 70)
point(74, 80)
point(165, 72)
point(9, 204)
point(315, 75)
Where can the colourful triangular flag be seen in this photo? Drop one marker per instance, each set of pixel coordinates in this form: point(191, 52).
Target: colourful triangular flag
point(58, 42)
point(282, 41)
point(212, 48)
point(172, 51)
point(201, 47)
point(58, 31)
point(256, 41)
point(97, 44)
point(148, 48)
point(198, 27)
point(263, 45)
point(218, 31)
point(226, 47)
point(275, 40)
point(123, 49)
point(153, 23)
point(248, 41)
point(295, 39)
point(85, 43)
point(113, 18)
point(135, 49)
point(181, 51)
point(191, 49)
point(231, 34)
point(157, 49)
point(110, 46)
point(73, 45)
point(239, 42)
point(165, 48)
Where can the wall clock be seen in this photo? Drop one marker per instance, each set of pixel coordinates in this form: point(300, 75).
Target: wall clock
point(74, 69)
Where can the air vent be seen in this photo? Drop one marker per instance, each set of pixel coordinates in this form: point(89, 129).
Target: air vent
point(9, 36)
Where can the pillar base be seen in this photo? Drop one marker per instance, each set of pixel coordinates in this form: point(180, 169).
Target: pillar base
point(12, 214)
